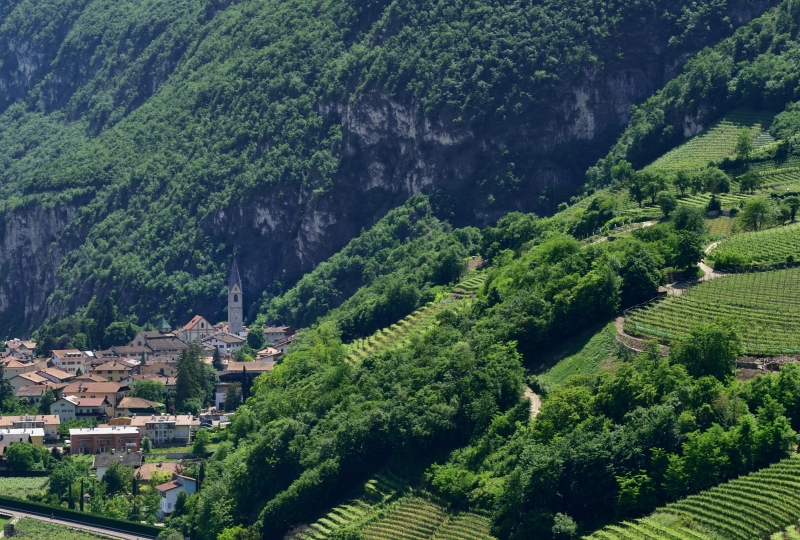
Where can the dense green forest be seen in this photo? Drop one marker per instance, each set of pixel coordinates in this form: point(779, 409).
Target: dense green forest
point(382, 275)
point(447, 409)
point(166, 134)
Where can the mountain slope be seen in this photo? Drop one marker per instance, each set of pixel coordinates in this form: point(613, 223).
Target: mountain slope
point(757, 68)
point(166, 135)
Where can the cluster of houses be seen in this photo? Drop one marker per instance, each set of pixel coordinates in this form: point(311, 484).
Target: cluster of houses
point(94, 385)
point(118, 441)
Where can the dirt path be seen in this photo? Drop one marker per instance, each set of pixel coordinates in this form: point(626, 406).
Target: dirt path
point(536, 401)
point(633, 343)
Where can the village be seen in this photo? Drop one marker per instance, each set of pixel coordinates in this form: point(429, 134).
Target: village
point(89, 392)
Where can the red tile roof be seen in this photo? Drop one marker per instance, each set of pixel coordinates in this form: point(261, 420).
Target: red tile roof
point(169, 486)
point(188, 326)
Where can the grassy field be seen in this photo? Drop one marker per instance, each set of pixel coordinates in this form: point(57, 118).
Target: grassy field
point(4, 519)
point(771, 245)
point(33, 529)
point(716, 142)
point(19, 487)
point(753, 506)
point(582, 355)
point(764, 305)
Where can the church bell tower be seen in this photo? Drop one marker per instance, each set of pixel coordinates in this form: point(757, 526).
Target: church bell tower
point(235, 322)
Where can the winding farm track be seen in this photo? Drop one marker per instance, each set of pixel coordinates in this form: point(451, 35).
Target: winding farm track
point(536, 401)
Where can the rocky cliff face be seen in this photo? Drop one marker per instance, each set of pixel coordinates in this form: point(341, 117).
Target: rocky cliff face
point(31, 252)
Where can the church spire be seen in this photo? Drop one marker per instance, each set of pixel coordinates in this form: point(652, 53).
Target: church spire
point(235, 301)
point(234, 279)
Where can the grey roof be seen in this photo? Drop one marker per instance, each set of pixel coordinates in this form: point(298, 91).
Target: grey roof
point(105, 459)
point(234, 279)
point(167, 344)
point(227, 338)
point(7, 438)
point(132, 349)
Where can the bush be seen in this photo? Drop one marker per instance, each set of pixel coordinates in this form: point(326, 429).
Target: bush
point(716, 181)
point(710, 349)
point(688, 218)
point(729, 259)
point(201, 442)
point(667, 202)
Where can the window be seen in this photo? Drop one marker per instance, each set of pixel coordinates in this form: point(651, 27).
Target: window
point(202, 325)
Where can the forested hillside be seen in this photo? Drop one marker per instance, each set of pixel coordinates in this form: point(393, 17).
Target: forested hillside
point(756, 68)
point(462, 367)
point(144, 142)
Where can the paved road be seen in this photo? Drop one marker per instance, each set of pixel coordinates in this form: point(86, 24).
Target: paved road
point(59, 521)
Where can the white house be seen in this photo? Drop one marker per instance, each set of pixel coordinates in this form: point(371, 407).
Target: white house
point(167, 429)
point(71, 407)
point(226, 343)
point(33, 393)
point(70, 360)
point(25, 379)
point(48, 423)
point(278, 333)
point(169, 492)
point(18, 348)
point(12, 367)
point(221, 390)
point(56, 375)
point(197, 329)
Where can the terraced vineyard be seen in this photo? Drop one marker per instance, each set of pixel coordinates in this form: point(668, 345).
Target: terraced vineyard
point(753, 506)
point(722, 225)
point(377, 492)
point(717, 142)
point(464, 526)
point(765, 305)
point(416, 518)
point(417, 322)
point(646, 529)
point(701, 200)
point(389, 510)
point(780, 179)
point(411, 518)
point(771, 245)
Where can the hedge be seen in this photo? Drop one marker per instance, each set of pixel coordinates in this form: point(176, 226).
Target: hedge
point(24, 474)
point(141, 529)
